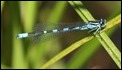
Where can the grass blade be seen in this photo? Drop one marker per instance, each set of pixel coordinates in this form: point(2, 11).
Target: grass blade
point(66, 51)
point(2, 4)
point(78, 6)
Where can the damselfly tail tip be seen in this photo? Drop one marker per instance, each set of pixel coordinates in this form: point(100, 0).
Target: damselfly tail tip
point(22, 35)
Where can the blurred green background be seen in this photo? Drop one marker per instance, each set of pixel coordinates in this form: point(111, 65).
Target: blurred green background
point(21, 16)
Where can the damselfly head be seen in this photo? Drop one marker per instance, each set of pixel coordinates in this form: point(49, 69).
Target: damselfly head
point(102, 22)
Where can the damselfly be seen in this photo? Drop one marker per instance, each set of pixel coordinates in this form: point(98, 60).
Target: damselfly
point(95, 26)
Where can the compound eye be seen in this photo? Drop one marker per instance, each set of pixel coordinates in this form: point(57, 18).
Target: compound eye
point(102, 21)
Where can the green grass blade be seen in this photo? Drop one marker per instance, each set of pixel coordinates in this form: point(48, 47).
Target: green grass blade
point(76, 61)
point(81, 10)
point(2, 4)
point(58, 10)
point(66, 51)
point(111, 49)
point(29, 12)
point(17, 49)
point(113, 22)
point(78, 6)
